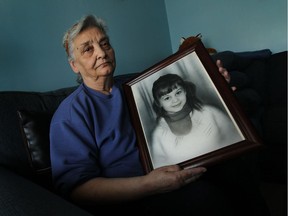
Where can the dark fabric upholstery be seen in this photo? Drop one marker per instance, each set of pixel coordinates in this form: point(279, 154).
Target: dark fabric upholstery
point(276, 100)
point(13, 154)
point(275, 120)
point(21, 197)
point(264, 99)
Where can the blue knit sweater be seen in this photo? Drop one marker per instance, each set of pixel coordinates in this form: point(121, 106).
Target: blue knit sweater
point(91, 135)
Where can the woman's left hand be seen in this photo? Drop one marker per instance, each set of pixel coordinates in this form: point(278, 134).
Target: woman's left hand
point(223, 71)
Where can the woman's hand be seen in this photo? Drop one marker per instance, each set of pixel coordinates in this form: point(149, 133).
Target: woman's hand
point(169, 178)
point(223, 71)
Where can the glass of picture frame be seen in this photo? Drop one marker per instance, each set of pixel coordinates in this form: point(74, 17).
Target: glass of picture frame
point(206, 127)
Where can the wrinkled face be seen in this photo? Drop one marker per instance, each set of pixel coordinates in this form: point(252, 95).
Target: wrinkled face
point(93, 55)
point(174, 101)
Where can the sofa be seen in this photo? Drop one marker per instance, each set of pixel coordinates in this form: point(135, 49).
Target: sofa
point(25, 172)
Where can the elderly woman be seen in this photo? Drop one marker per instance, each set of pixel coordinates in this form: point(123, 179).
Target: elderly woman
point(94, 155)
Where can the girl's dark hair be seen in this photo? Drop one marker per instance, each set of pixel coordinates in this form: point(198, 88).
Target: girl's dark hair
point(166, 84)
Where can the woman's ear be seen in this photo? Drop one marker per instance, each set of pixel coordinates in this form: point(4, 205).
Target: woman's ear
point(74, 66)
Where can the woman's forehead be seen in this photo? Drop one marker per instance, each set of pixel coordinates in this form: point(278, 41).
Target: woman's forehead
point(89, 35)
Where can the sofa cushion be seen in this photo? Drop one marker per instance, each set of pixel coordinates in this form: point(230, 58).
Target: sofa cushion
point(34, 127)
point(21, 197)
point(13, 154)
point(276, 89)
point(35, 133)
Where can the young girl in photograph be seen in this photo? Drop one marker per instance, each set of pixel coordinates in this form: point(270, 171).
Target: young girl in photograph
point(186, 128)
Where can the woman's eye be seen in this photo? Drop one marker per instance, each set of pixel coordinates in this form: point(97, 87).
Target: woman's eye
point(105, 44)
point(88, 49)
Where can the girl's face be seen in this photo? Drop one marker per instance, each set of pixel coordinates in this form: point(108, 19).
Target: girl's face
point(174, 101)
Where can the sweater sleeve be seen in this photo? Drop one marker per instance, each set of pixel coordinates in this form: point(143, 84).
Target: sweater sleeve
point(73, 154)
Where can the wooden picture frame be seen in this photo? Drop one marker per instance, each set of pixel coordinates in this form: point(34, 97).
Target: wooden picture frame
point(218, 128)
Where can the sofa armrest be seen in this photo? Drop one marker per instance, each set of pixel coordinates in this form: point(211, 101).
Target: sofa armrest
point(19, 196)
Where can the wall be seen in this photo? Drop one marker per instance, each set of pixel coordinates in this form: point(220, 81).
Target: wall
point(31, 54)
point(32, 57)
point(238, 25)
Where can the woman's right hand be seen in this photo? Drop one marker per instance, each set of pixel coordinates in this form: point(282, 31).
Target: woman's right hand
point(172, 177)
point(161, 180)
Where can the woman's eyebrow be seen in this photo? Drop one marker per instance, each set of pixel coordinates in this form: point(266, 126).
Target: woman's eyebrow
point(105, 38)
point(84, 44)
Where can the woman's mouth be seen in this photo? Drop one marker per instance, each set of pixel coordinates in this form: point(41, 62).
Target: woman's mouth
point(104, 64)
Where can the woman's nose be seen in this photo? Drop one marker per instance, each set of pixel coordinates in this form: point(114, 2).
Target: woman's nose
point(100, 52)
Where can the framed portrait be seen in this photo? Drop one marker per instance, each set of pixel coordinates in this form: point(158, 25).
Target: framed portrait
point(185, 113)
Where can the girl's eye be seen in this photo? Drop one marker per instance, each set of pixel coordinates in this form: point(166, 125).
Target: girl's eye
point(165, 98)
point(179, 92)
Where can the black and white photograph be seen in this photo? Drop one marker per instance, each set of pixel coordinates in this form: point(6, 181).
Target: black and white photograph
point(180, 112)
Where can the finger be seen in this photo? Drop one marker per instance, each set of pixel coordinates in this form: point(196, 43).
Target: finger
point(170, 168)
point(193, 178)
point(225, 74)
point(191, 172)
point(196, 169)
point(223, 70)
point(219, 63)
